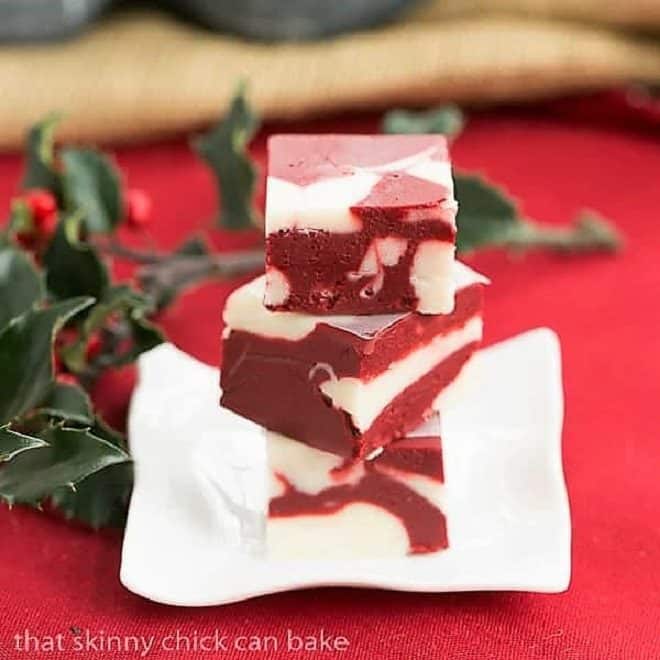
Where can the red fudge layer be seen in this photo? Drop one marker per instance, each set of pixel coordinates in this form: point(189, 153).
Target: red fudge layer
point(323, 269)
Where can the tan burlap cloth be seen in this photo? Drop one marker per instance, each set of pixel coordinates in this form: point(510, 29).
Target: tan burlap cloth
point(142, 74)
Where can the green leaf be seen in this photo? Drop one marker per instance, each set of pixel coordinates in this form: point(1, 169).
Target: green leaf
point(103, 430)
point(66, 457)
point(40, 170)
point(225, 151)
point(135, 335)
point(68, 403)
point(20, 284)
point(74, 268)
point(447, 120)
point(20, 217)
point(13, 443)
point(26, 356)
point(99, 500)
point(118, 298)
point(144, 336)
point(92, 184)
point(488, 218)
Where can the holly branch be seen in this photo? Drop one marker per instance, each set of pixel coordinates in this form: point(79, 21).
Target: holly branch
point(487, 216)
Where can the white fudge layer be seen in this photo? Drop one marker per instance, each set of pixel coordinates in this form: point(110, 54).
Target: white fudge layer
point(245, 311)
point(358, 529)
point(431, 276)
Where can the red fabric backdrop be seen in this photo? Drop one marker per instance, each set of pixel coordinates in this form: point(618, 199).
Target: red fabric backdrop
point(605, 308)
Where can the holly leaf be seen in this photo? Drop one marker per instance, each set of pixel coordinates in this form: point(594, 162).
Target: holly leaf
point(26, 356)
point(12, 443)
point(225, 151)
point(40, 169)
point(486, 215)
point(21, 286)
point(92, 184)
point(118, 298)
point(63, 460)
point(103, 430)
point(99, 500)
point(68, 403)
point(446, 119)
point(74, 268)
point(144, 336)
point(488, 218)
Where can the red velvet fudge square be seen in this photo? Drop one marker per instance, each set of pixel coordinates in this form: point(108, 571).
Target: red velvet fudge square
point(359, 224)
point(344, 384)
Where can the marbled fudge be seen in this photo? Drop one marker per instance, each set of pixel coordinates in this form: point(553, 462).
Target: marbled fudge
point(359, 224)
point(344, 384)
point(388, 506)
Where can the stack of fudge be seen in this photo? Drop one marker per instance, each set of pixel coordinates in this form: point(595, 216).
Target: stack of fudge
point(362, 320)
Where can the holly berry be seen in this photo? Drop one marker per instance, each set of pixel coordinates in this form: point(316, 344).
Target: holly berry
point(138, 208)
point(46, 225)
point(43, 207)
point(41, 202)
point(36, 230)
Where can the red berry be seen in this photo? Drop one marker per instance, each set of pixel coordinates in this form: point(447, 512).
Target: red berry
point(66, 379)
point(138, 208)
point(42, 204)
point(46, 225)
point(94, 347)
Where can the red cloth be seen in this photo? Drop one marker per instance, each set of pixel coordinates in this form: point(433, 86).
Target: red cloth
point(605, 308)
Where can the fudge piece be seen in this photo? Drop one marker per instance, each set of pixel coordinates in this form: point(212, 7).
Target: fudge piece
point(388, 506)
point(359, 224)
point(344, 384)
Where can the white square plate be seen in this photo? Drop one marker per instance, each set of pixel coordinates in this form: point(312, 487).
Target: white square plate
point(196, 523)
